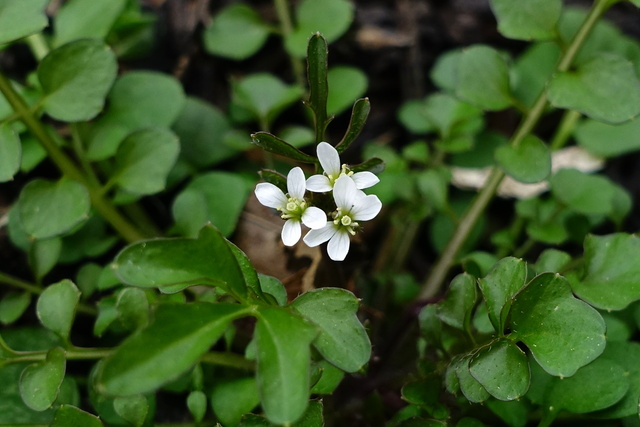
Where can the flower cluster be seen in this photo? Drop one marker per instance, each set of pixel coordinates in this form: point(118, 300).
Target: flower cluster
point(352, 205)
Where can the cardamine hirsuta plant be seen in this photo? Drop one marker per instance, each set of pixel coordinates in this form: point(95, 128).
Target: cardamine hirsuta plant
point(473, 265)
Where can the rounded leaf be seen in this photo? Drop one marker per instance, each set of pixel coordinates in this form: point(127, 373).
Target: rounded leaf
point(132, 409)
point(499, 286)
point(56, 307)
point(20, 18)
point(237, 32)
point(346, 84)
point(82, 19)
point(502, 369)
point(342, 340)
point(455, 310)
point(582, 192)
point(40, 382)
point(563, 333)
point(48, 209)
point(530, 20)
point(70, 416)
point(231, 399)
point(596, 386)
point(612, 273)
point(76, 78)
point(483, 78)
point(329, 17)
point(605, 88)
point(529, 162)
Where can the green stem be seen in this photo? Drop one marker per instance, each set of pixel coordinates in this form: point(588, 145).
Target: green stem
point(286, 27)
point(67, 166)
point(37, 290)
point(565, 129)
point(439, 272)
point(74, 353)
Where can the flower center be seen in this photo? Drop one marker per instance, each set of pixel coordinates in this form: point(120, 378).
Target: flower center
point(294, 208)
point(345, 221)
point(343, 171)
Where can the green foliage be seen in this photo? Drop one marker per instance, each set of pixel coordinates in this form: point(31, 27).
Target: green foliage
point(204, 311)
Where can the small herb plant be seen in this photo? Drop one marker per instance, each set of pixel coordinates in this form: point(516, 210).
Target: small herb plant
point(128, 211)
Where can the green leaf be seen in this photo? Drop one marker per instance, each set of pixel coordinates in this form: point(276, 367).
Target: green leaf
point(10, 152)
point(56, 307)
point(483, 78)
point(44, 255)
point(197, 404)
point(70, 416)
point(132, 307)
point(596, 386)
point(237, 32)
point(144, 160)
point(441, 113)
point(13, 305)
point(551, 260)
point(231, 399)
point(502, 369)
point(40, 382)
point(345, 85)
point(499, 286)
point(625, 354)
point(583, 193)
point(456, 309)
point(553, 324)
point(48, 209)
point(208, 259)
point(605, 88)
point(318, 82)
point(19, 19)
point(283, 370)
point(264, 95)
point(83, 19)
point(607, 140)
point(533, 20)
point(107, 314)
point(612, 276)
point(179, 335)
point(202, 128)
point(275, 145)
point(470, 387)
point(138, 100)
point(332, 18)
point(132, 409)
point(532, 70)
point(330, 378)
point(342, 340)
point(216, 197)
point(274, 287)
point(529, 162)
point(76, 78)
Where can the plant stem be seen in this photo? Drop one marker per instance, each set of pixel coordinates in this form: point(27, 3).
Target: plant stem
point(286, 27)
point(67, 166)
point(37, 290)
point(565, 129)
point(439, 272)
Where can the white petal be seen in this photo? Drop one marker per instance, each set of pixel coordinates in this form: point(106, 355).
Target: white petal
point(314, 217)
point(270, 195)
point(321, 235)
point(366, 207)
point(318, 184)
point(345, 193)
point(329, 158)
point(291, 232)
point(296, 183)
point(338, 246)
point(365, 179)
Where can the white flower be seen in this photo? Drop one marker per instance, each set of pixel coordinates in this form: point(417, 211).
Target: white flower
point(352, 206)
point(292, 205)
point(330, 162)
